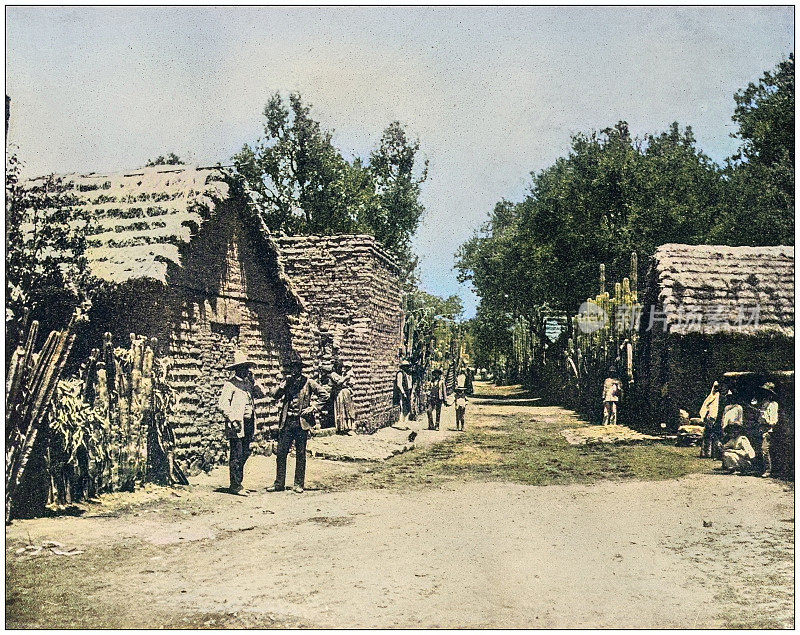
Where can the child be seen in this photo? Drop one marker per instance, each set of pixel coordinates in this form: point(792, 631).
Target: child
point(612, 389)
point(461, 407)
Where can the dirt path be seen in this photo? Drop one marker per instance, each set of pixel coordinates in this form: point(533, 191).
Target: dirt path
point(465, 553)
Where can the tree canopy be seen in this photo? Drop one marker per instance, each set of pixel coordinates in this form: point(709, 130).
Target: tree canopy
point(613, 194)
point(759, 206)
point(169, 159)
point(303, 184)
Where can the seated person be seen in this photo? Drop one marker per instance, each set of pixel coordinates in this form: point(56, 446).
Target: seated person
point(738, 453)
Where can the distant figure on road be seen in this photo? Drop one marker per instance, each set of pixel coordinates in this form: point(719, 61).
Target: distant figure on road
point(237, 403)
point(436, 398)
point(461, 407)
point(300, 399)
point(403, 384)
point(612, 390)
point(469, 384)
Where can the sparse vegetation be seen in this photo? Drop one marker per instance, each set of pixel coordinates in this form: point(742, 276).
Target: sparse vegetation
point(527, 447)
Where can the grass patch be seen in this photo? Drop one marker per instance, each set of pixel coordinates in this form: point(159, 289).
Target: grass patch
point(527, 447)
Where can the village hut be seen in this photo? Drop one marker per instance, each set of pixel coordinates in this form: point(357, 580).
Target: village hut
point(708, 310)
point(180, 255)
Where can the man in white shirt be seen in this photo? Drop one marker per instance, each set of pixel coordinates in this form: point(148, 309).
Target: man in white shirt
point(612, 389)
point(237, 403)
point(709, 415)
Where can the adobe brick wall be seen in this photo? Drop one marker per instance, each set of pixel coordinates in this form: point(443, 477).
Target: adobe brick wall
point(352, 292)
point(224, 300)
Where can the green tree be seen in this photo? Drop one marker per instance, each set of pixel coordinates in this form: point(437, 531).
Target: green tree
point(765, 116)
point(397, 177)
point(295, 174)
point(611, 195)
point(429, 326)
point(491, 339)
point(46, 269)
point(760, 204)
point(303, 185)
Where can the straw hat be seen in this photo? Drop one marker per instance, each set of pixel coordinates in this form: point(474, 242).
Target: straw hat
point(240, 359)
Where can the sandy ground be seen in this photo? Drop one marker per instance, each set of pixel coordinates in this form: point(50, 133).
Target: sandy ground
point(702, 551)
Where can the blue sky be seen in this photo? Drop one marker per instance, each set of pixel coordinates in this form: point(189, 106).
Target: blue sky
point(492, 93)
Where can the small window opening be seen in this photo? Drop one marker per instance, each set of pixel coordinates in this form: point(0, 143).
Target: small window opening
point(228, 331)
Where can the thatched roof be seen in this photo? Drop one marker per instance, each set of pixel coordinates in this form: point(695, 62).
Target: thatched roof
point(142, 219)
point(715, 288)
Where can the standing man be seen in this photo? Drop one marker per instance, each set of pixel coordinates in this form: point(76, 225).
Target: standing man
point(299, 400)
point(612, 389)
point(709, 415)
point(767, 419)
point(403, 385)
point(469, 385)
point(436, 397)
point(237, 403)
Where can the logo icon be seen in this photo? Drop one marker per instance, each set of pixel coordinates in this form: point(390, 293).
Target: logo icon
point(591, 317)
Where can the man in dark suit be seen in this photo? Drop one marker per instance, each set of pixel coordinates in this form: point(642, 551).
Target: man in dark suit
point(299, 400)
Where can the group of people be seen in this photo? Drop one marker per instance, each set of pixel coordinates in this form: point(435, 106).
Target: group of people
point(300, 401)
point(435, 396)
point(740, 436)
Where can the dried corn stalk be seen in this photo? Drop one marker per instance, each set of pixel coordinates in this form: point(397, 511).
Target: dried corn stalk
point(28, 397)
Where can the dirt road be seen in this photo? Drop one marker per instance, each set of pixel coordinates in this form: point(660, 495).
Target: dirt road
point(704, 550)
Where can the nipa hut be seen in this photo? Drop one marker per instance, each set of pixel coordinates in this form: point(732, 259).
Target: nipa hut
point(711, 309)
point(183, 258)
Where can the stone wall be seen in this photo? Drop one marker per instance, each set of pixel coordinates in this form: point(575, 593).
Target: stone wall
point(351, 290)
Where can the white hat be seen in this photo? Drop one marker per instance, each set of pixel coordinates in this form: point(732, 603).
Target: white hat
point(240, 359)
